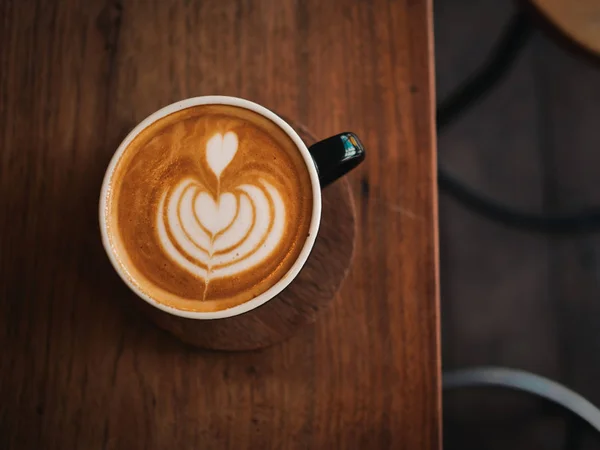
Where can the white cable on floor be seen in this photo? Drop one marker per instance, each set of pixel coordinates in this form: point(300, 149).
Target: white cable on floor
point(527, 382)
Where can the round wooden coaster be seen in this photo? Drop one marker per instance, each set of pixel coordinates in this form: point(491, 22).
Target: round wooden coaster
point(301, 302)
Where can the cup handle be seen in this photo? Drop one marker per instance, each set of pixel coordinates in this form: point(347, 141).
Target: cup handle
point(336, 156)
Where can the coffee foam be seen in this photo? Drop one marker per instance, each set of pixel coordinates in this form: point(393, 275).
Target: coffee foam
point(209, 207)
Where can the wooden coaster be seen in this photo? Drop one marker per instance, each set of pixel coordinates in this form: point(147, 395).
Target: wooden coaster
point(301, 302)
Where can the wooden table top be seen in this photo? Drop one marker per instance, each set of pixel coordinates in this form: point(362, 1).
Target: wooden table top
point(81, 370)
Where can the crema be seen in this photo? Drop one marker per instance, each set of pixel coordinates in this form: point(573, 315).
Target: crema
point(209, 207)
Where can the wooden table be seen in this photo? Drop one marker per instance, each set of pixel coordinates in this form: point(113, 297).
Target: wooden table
point(79, 370)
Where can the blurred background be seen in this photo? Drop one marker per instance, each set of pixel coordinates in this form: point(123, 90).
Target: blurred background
point(511, 298)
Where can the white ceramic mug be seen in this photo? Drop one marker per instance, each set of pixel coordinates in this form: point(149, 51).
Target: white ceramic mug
point(325, 161)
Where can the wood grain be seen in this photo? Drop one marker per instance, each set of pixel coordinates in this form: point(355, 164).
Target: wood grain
point(80, 370)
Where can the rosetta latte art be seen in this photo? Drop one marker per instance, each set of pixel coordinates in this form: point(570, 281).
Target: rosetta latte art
point(225, 235)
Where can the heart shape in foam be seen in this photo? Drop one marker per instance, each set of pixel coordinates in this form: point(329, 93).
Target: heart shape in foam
point(220, 150)
point(224, 236)
point(213, 215)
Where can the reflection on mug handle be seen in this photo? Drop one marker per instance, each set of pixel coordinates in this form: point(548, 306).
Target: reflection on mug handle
point(336, 156)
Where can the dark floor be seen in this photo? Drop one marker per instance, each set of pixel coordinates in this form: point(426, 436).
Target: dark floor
point(511, 298)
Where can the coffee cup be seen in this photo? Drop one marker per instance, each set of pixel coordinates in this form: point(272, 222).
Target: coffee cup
point(210, 207)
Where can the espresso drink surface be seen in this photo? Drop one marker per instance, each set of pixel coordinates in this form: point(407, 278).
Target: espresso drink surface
point(209, 207)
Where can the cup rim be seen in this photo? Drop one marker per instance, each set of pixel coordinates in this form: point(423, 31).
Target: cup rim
point(289, 276)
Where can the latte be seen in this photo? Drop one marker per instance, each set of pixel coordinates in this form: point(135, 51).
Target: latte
point(208, 207)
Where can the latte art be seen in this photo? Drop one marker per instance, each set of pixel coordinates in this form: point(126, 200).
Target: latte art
point(209, 207)
point(224, 236)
